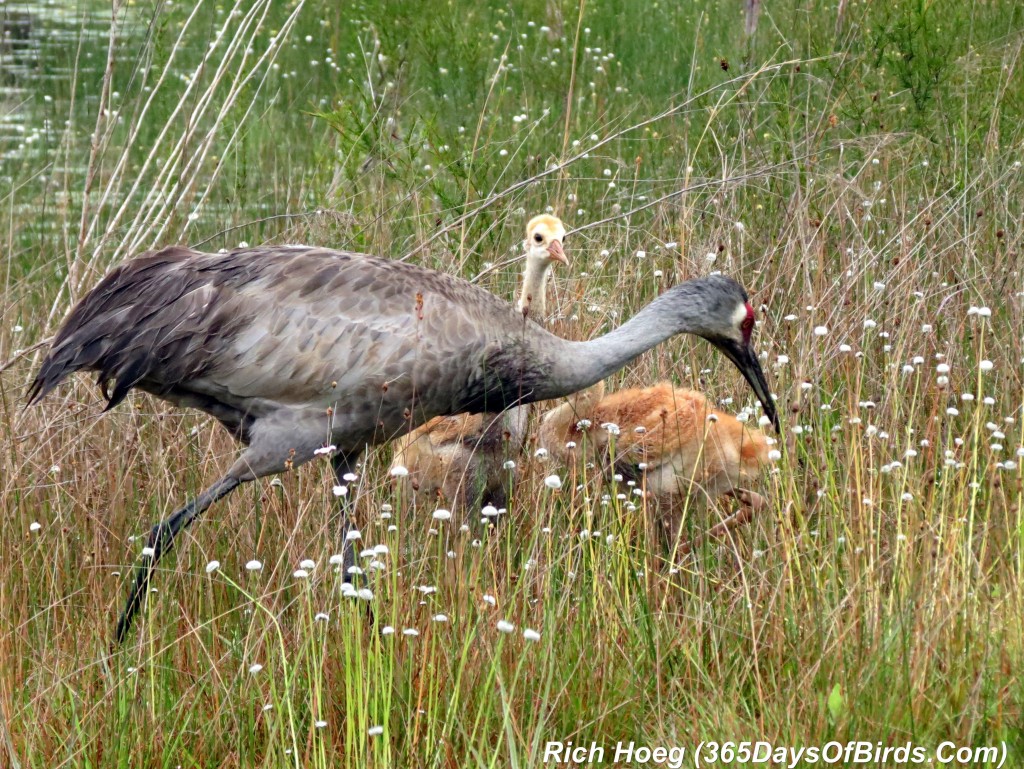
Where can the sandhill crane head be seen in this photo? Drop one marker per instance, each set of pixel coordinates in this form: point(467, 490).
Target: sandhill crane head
point(718, 309)
point(544, 236)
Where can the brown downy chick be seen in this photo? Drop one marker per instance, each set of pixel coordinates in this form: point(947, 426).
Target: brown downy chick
point(674, 437)
point(457, 460)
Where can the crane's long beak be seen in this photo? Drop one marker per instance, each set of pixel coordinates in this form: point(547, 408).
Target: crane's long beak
point(555, 249)
point(745, 359)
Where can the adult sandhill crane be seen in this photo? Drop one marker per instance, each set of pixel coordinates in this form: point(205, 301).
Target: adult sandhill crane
point(293, 348)
point(460, 457)
point(683, 444)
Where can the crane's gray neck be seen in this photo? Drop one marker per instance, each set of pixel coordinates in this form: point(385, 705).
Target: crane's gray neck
point(576, 365)
point(535, 280)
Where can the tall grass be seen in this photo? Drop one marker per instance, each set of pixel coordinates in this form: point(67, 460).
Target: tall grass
point(861, 174)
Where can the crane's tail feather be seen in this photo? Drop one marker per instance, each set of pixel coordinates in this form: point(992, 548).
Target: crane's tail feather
point(132, 326)
point(77, 354)
point(57, 366)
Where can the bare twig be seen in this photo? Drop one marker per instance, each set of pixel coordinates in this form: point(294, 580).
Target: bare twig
point(19, 354)
point(251, 222)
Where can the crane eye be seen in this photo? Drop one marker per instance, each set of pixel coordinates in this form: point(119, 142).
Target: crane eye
point(538, 238)
point(747, 324)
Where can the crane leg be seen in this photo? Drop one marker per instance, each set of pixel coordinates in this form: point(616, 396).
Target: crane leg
point(161, 538)
point(342, 464)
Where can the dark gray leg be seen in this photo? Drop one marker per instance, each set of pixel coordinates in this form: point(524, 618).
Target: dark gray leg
point(342, 464)
point(346, 464)
point(161, 538)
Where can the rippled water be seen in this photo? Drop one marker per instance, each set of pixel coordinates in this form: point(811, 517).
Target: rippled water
point(53, 57)
point(45, 48)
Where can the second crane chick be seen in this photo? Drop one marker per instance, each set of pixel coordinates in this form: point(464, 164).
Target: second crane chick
point(679, 441)
point(458, 459)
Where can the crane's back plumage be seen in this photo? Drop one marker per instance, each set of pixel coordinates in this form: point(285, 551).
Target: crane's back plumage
point(254, 331)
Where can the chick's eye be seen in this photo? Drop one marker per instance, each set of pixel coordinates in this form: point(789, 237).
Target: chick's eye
point(538, 238)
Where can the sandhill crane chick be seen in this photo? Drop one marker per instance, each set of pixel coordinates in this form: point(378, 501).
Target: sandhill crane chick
point(459, 459)
point(685, 445)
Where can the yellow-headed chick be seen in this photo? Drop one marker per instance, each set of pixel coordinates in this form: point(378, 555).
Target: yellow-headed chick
point(458, 460)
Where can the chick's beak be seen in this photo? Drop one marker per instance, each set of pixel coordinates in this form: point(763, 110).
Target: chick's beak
point(556, 252)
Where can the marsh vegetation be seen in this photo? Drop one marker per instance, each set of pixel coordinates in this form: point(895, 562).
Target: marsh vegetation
point(858, 167)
